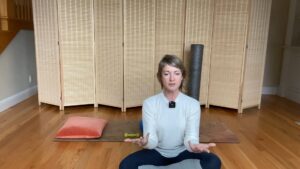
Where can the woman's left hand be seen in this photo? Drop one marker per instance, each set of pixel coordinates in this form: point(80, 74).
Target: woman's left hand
point(199, 148)
point(142, 141)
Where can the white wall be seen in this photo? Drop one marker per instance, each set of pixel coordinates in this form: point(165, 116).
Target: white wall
point(290, 76)
point(275, 48)
point(290, 85)
point(17, 63)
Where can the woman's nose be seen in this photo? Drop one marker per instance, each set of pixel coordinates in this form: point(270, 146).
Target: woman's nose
point(171, 77)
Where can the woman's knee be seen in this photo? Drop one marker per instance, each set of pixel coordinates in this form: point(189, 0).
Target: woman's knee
point(211, 162)
point(216, 162)
point(122, 164)
point(128, 163)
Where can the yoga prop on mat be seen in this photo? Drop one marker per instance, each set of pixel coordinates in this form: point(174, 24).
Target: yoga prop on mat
point(131, 135)
point(195, 70)
point(216, 132)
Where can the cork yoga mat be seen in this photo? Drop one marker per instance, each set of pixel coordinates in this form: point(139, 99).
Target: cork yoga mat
point(216, 132)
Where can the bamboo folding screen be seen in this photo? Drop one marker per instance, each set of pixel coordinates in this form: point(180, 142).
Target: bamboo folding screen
point(238, 53)
point(107, 51)
point(139, 49)
point(76, 40)
point(169, 31)
point(256, 51)
point(47, 51)
point(198, 30)
point(228, 52)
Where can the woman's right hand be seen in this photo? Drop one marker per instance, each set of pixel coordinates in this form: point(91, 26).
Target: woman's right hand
point(199, 148)
point(142, 141)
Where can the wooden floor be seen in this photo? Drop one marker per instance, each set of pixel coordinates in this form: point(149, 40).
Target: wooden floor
point(270, 138)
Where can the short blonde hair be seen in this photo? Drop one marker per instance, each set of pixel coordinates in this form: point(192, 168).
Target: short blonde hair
point(171, 60)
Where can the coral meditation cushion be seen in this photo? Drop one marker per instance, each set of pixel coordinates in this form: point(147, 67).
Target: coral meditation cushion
point(82, 127)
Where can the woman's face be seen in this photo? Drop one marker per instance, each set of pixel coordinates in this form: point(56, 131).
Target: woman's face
point(171, 78)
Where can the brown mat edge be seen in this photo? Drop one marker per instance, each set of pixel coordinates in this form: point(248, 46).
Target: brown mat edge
point(233, 140)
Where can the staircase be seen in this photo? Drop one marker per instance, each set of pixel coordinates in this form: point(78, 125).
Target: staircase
point(14, 16)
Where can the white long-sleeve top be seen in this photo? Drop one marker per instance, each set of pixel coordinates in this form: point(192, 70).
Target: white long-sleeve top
point(170, 129)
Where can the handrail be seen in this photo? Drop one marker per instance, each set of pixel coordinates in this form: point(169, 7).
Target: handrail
point(14, 16)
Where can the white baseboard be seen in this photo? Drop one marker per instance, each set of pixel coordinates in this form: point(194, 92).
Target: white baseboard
point(17, 98)
point(270, 90)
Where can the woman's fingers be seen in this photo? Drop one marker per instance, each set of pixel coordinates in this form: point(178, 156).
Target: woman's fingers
point(212, 144)
point(130, 140)
point(198, 148)
point(127, 140)
point(142, 141)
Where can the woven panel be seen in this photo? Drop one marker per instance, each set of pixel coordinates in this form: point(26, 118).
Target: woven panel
point(228, 52)
point(109, 52)
point(198, 30)
point(139, 46)
point(256, 52)
point(169, 31)
point(47, 51)
point(77, 51)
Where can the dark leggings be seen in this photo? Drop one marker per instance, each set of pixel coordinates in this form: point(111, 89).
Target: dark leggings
point(152, 157)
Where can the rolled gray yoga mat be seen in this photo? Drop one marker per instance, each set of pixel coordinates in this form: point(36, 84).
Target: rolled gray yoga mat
point(195, 70)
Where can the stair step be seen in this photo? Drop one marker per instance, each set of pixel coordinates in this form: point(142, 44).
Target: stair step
point(5, 38)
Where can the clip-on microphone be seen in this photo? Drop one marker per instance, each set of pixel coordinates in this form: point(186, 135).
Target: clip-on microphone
point(172, 104)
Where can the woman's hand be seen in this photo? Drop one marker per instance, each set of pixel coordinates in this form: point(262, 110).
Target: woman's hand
point(142, 141)
point(199, 148)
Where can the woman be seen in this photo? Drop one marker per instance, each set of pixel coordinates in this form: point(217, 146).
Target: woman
point(171, 123)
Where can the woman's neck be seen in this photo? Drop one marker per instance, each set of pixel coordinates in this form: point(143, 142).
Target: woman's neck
point(171, 95)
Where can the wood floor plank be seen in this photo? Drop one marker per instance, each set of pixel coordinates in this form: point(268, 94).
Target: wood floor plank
point(269, 137)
